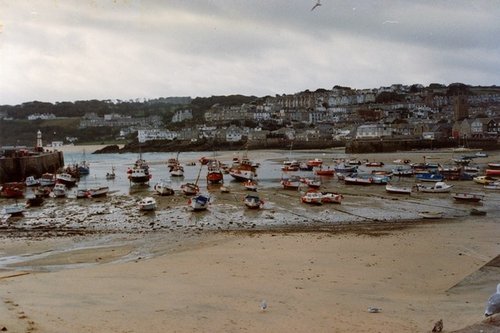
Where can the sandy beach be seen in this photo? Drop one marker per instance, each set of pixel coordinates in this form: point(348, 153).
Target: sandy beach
point(178, 272)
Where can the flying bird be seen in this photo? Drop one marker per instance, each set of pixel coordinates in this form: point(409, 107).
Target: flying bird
point(438, 326)
point(493, 305)
point(316, 5)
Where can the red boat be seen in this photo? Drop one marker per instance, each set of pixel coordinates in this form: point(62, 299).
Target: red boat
point(214, 175)
point(315, 163)
point(12, 190)
point(374, 164)
point(326, 172)
point(492, 172)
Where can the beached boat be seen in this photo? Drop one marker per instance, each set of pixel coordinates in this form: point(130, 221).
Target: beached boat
point(345, 169)
point(374, 164)
point(303, 166)
point(315, 162)
point(492, 172)
point(214, 174)
point(402, 171)
point(243, 169)
point(312, 197)
point(48, 179)
point(380, 179)
point(190, 188)
point(16, 209)
point(12, 190)
point(98, 191)
point(470, 197)
point(82, 193)
point(253, 201)
point(66, 179)
point(177, 171)
point(398, 189)
point(492, 186)
point(291, 183)
point(331, 197)
point(484, 180)
point(164, 187)
point(311, 182)
point(325, 172)
point(438, 187)
point(60, 190)
point(431, 215)
point(250, 185)
point(429, 177)
point(358, 180)
point(31, 181)
point(147, 204)
point(199, 202)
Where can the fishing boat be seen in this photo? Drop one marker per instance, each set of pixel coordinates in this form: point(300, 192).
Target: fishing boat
point(314, 183)
point(291, 183)
point(470, 197)
point(16, 209)
point(12, 190)
point(60, 190)
point(139, 173)
point(199, 202)
point(147, 204)
point(429, 177)
point(98, 191)
point(290, 166)
point(164, 187)
point(312, 197)
point(214, 174)
point(83, 166)
point(431, 215)
point(66, 179)
point(438, 187)
point(398, 189)
point(243, 170)
point(253, 201)
point(48, 179)
point(331, 197)
point(250, 185)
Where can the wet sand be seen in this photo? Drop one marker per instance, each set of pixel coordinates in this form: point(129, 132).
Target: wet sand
point(319, 268)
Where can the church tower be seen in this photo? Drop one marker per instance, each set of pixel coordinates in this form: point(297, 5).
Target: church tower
point(461, 107)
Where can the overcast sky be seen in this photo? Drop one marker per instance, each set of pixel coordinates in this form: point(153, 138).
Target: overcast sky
point(124, 49)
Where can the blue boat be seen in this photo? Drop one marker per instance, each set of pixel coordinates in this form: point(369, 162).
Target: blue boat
point(429, 177)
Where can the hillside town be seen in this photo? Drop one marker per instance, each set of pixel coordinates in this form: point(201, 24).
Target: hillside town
point(320, 117)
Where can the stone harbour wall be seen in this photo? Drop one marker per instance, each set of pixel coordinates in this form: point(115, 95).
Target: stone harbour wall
point(18, 168)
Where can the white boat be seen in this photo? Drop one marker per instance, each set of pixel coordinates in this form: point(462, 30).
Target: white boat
point(16, 209)
point(331, 197)
point(82, 192)
point(492, 186)
point(470, 197)
point(177, 171)
point(312, 197)
point(48, 179)
point(164, 187)
point(60, 190)
point(242, 175)
point(139, 173)
point(199, 202)
point(111, 175)
point(431, 215)
point(99, 191)
point(147, 204)
point(438, 187)
point(398, 189)
point(66, 179)
point(32, 181)
point(292, 183)
point(358, 180)
point(253, 202)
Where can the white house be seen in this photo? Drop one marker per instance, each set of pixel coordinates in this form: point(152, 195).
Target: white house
point(373, 131)
point(144, 135)
point(233, 134)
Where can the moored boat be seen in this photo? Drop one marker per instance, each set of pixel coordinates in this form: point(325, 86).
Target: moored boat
point(325, 172)
point(291, 183)
point(98, 191)
point(250, 185)
point(139, 173)
point(374, 164)
point(358, 180)
point(66, 179)
point(111, 175)
point(12, 190)
point(31, 181)
point(431, 215)
point(429, 177)
point(214, 174)
point(48, 179)
point(484, 180)
point(190, 188)
point(16, 209)
point(60, 190)
point(331, 197)
point(164, 187)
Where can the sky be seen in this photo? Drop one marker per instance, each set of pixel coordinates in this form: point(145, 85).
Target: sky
point(68, 50)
